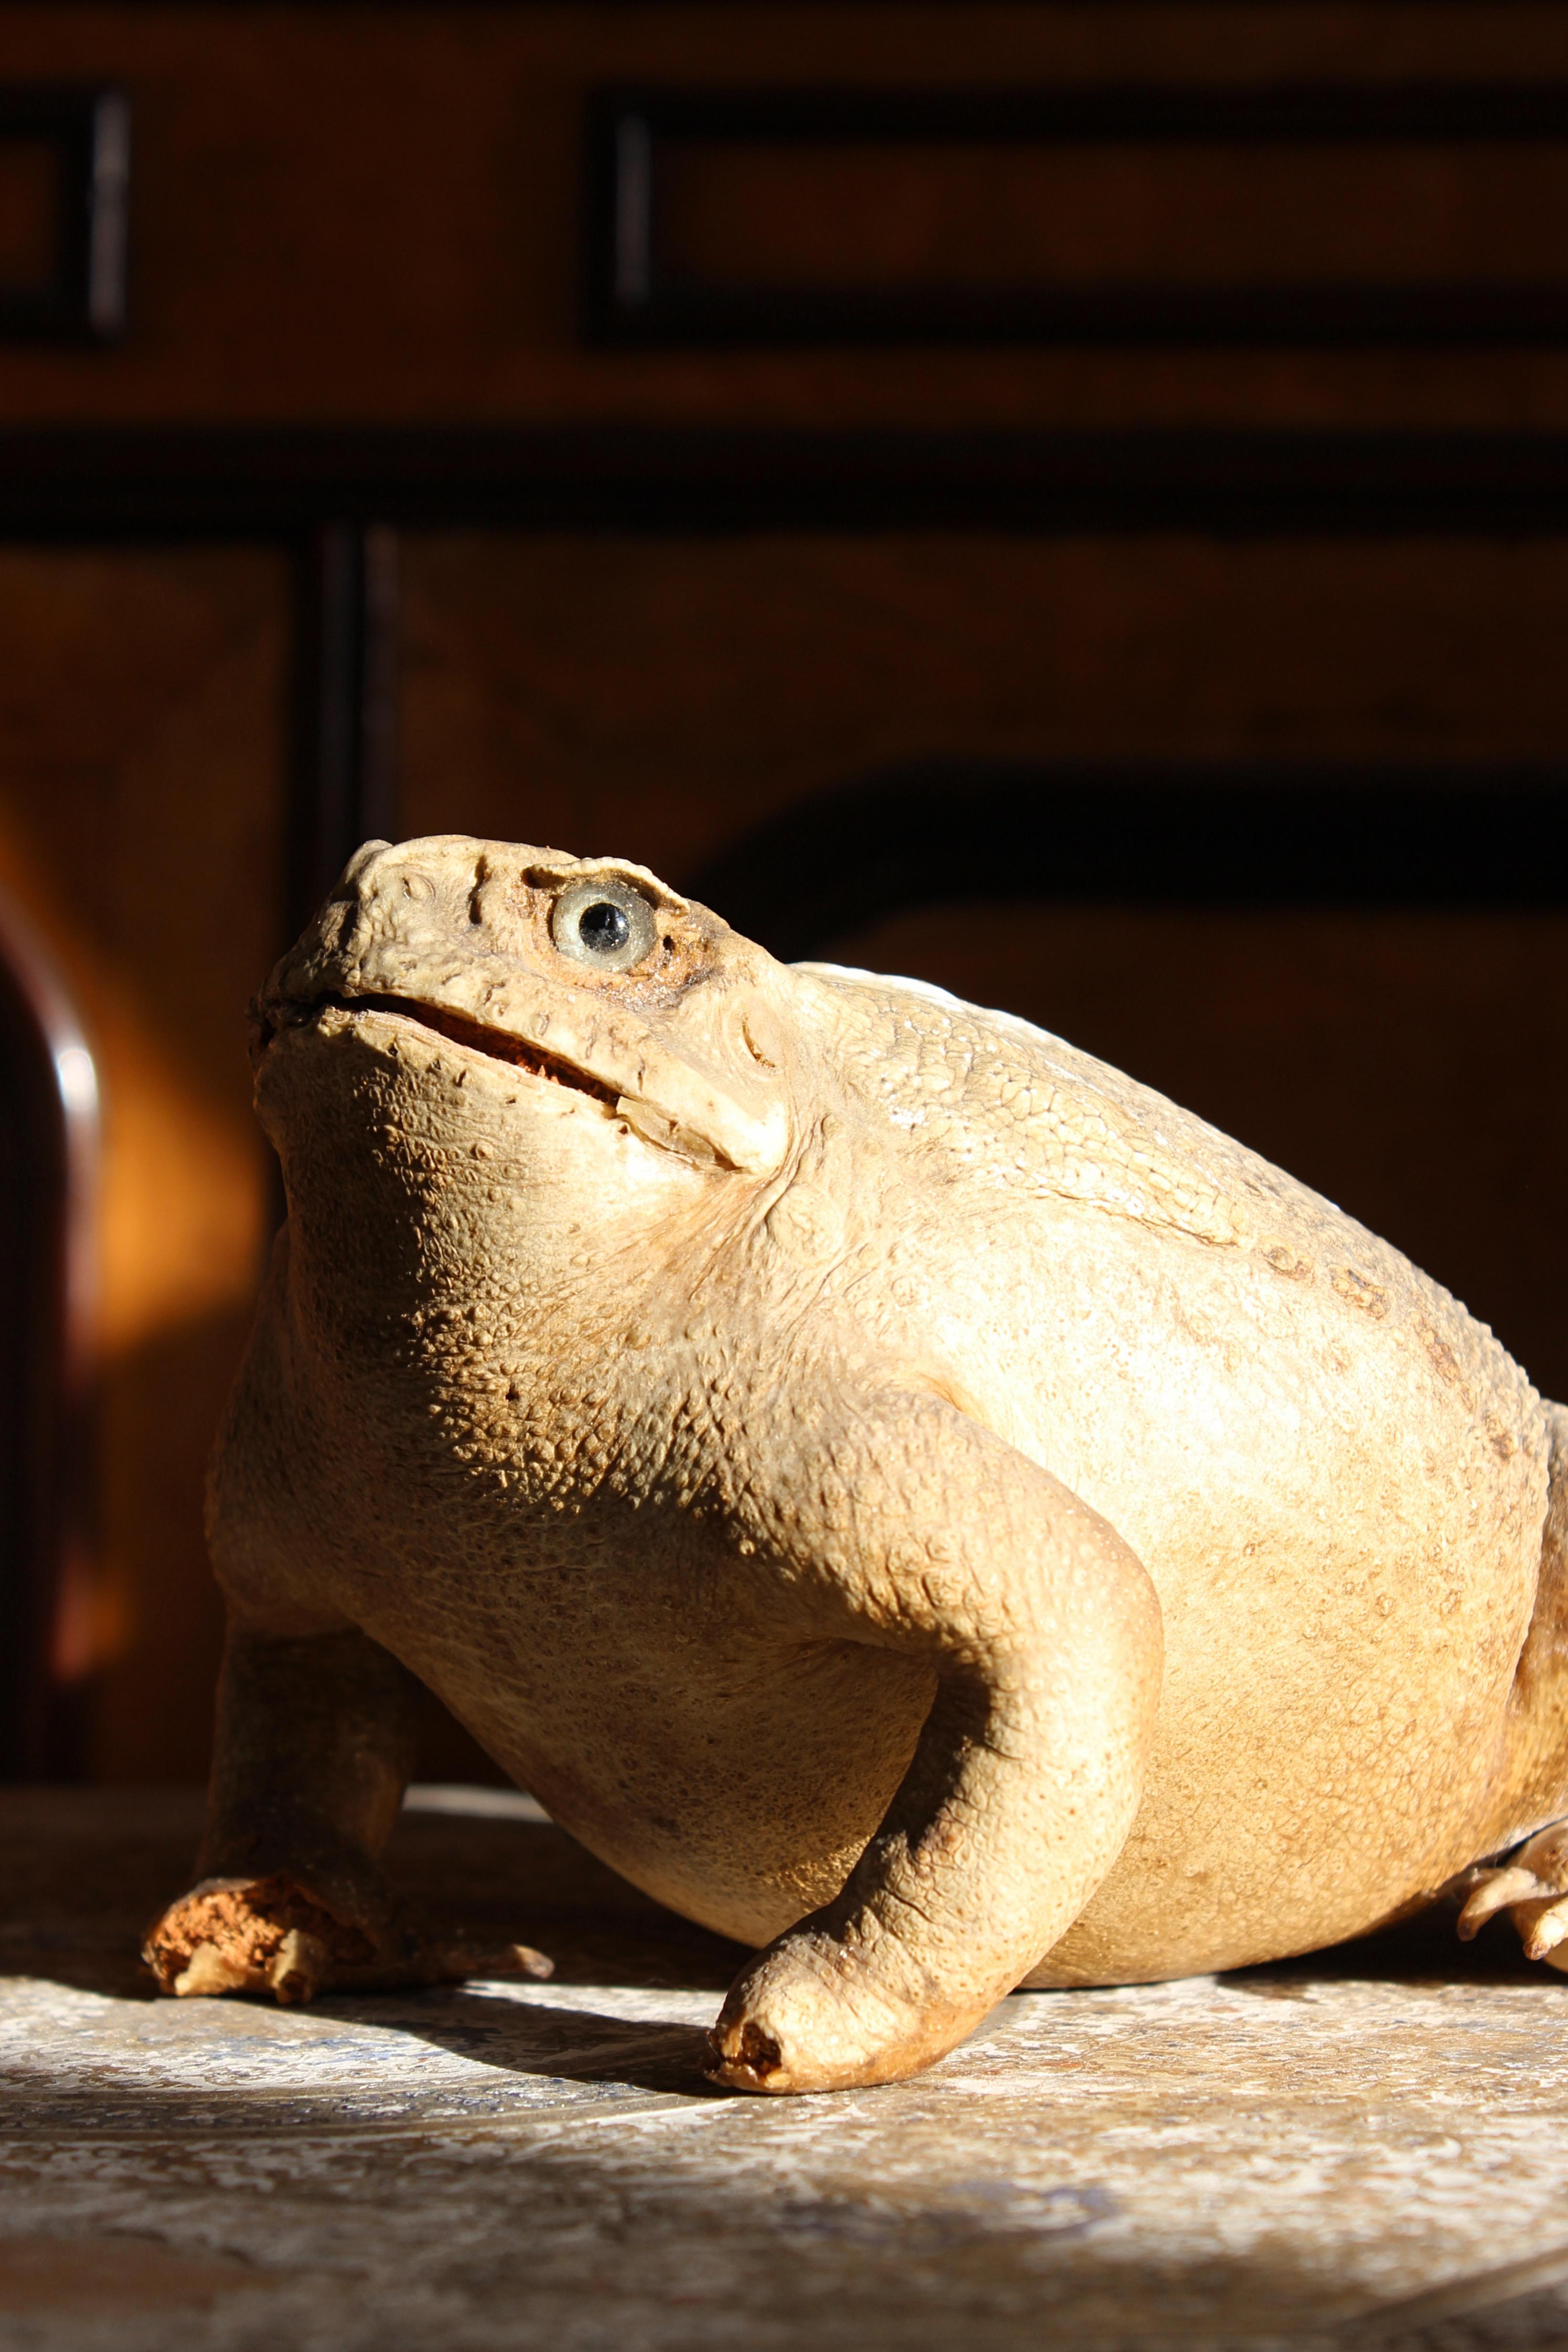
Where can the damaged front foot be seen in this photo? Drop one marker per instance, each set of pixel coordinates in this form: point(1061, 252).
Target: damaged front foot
point(812, 2013)
point(745, 2058)
point(269, 1936)
point(1531, 1886)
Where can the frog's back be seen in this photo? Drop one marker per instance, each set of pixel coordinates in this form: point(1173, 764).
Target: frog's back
point(1039, 1125)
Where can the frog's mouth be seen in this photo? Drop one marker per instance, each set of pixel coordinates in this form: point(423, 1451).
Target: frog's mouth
point(496, 1045)
point(661, 1098)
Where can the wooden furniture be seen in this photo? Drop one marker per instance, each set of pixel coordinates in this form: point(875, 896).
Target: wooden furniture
point(48, 1248)
point(1064, 485)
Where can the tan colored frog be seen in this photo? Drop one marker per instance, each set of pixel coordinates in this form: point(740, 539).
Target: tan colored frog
point(906, 1496)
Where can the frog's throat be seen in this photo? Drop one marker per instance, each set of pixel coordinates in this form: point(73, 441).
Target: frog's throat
point(605, 1052)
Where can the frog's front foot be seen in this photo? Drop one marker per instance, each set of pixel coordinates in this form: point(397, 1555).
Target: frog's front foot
point(810, 2014)
point(1532, 1888)
point(272, 1934)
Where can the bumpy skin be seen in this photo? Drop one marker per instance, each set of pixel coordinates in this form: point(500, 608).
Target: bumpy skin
point(785, 1413)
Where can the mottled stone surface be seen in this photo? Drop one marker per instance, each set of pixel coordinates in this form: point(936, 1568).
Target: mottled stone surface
point(1285, 2157)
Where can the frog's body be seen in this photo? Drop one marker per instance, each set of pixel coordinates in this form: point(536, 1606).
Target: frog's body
point(705, 1373)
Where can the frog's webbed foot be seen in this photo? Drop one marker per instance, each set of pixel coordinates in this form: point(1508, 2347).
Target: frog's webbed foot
point(1532, 1888)
point(275, 1935)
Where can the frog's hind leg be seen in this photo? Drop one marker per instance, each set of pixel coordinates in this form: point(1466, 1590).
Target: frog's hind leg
point(1531, 1886)
point(312, 1752)
point(1531, 1882)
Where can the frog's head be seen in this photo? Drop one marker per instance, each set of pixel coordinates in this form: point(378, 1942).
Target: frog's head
point(580, 974)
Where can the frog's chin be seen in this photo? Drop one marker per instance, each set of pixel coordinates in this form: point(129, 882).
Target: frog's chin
point(549, 1080)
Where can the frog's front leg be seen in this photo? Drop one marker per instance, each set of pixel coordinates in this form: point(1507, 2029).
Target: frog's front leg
point(908, 1526)
point(1531, 1886)
point(314, 1748)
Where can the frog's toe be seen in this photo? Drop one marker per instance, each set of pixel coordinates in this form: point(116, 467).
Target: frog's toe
point(1494, 1891)
point(1542, 1925)
point(1532, 1888)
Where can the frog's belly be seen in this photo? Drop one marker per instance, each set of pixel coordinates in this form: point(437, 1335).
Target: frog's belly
point(1330, 1731)
point(741, 1795)
point(1301, 1788)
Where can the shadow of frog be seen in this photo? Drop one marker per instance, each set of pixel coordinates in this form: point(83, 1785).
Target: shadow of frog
point(519, 2036)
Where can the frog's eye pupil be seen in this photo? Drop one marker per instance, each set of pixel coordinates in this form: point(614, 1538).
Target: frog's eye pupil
point(604, 928)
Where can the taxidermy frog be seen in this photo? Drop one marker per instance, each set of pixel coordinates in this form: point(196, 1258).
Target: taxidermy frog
point(906, 1496)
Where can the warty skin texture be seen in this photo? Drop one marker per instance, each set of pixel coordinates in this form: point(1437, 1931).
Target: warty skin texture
point(906, 1496)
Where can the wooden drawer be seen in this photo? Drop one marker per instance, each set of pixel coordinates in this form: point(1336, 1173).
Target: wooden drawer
point(345, 212)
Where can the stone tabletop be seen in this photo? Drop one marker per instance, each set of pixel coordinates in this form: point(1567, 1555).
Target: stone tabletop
point(1366, 2147)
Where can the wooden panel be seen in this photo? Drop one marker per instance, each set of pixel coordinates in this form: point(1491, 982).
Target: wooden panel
point(141, 757)
point(1307, 215)
point(657, 698)
point(29, 212)
point(999, 213)
point(351, 212)
point(64, 164)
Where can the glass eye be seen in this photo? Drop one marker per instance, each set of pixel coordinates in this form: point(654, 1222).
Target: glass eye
point(608, 924)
